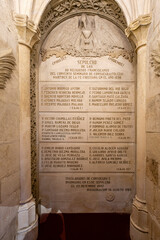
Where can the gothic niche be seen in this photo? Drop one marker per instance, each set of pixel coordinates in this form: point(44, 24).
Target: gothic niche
point(86, 37)
point(86, 117)
point(7, 63)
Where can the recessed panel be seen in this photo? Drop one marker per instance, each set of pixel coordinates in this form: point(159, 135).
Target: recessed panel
point(86, 117)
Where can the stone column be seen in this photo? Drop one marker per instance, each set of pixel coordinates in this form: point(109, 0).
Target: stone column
point(138, 32)
point(28, 34)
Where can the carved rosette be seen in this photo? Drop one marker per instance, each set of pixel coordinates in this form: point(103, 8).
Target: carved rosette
point(7, 63)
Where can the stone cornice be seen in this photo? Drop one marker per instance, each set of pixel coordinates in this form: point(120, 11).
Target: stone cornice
point(138, 30)
point(28, 32)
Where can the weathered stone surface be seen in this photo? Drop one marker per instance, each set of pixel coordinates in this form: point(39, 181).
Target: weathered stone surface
point(87, 192)
point(153, 127)
point(88, 157)
point(9, 130)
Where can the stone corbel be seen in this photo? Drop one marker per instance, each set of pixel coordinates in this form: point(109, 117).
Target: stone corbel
point(28, 32)
point(7, 63)
point(138, 30)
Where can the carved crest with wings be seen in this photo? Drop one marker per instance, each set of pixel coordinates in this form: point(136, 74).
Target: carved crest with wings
point(86, 36)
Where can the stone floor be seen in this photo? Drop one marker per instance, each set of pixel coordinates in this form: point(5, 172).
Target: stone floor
point(84, 227)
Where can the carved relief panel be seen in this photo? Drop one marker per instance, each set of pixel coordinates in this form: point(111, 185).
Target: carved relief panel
point(86, 115)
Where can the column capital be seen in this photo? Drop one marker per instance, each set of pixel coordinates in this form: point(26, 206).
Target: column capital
point(138, 30)
point(28, 32)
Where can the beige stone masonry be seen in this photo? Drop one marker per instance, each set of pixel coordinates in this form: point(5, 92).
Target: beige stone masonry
point(28, 35)
point(28, 32)
point(138, 32)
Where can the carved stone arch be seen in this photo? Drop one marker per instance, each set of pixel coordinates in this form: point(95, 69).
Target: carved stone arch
point(55, 13)
point(58, 11)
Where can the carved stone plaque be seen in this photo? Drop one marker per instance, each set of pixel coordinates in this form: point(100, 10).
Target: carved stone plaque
point(87, 192)
point(86, 117)
point(89, 96)
point(86, 157)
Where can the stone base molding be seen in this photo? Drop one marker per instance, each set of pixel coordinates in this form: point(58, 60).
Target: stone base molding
point(139, 220)
point(27, 222)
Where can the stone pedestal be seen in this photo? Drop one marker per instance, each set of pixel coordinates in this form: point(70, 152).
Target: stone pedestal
point(27, 219)
point(138, 32)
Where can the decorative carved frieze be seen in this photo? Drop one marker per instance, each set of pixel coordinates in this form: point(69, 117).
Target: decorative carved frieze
point(28, 32)
point(109, 8)
point(138, 30)
point(34, 162)
point(7, 63)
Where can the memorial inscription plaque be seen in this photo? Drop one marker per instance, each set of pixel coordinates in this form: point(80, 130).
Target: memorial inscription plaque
point(86, 117)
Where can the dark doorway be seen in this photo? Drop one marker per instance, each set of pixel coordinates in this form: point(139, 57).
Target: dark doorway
point(99, 226)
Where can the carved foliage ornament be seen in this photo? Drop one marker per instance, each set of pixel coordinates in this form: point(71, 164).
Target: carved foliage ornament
point(34, 167)
point(108, 8)
point(7, 63)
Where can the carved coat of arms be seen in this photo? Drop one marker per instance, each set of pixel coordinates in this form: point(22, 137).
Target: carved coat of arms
point(85, 36)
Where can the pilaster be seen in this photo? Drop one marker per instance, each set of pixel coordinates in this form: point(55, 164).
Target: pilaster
point(28, 35)
point(138, 32)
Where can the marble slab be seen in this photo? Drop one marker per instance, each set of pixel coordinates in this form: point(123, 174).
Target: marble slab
point(87, 192)
point(86, 116)
point(87, 127)
point(85, 69)
point(89, 96)
point(86, 157)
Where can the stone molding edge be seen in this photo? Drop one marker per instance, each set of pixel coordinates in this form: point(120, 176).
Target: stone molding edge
point(140, 205)
point(27, 221)
point(21, 234)
point(139, 210)
point(27, 200)
point(138, 30)
point(26, 230)
point(137, 227)
point(28, 32)
point(7, 64)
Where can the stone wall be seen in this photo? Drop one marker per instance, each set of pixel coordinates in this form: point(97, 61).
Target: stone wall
point(153, 126)
point(9, 127)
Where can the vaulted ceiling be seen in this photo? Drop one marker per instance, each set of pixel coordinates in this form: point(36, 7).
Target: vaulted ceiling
point(35, 8)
